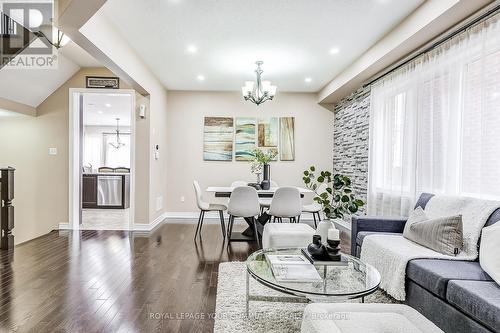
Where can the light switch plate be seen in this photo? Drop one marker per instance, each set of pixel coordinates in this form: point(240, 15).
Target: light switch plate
point(52, 151)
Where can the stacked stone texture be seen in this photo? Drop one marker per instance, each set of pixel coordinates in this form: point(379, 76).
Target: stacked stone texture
point(351, 129)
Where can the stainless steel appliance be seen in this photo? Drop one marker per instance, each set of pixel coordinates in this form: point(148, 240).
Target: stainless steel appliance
point(109, 190)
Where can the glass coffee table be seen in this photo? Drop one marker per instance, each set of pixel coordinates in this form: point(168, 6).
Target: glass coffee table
point(350, 280)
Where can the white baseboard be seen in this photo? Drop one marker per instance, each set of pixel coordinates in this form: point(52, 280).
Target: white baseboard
point(64, 226)
point(192, 217)
point(152, 225)
point(180, 217)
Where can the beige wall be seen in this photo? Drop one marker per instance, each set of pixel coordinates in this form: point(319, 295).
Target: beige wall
point(186, 110)
point(104, 35)
point(41, 193)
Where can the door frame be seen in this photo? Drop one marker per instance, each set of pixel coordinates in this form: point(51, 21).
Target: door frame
point(75, 155)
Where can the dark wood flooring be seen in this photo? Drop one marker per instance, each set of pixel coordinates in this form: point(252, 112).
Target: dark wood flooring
point(110, 281)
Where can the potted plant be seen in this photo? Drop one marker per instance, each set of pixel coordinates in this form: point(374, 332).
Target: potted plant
point(334, 194)
point(262, 158)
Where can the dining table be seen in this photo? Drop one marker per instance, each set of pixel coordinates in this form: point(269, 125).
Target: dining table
point(248, 234)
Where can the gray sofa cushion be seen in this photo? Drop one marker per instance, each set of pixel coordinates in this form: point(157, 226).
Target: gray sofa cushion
point(362, 234)
point(478, 299)
point(434, 274)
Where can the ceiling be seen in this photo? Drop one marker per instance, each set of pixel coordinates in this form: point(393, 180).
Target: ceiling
point(38, 84)
point(220, 40)
point(103, 109)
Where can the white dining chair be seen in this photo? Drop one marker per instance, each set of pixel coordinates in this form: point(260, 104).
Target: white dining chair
point(286, 203)
point(314, 208)
point(265, 203)
point(204, 207)
point(238, 183)
point(243, 203)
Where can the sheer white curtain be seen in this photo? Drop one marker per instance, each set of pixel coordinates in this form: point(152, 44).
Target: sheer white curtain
point(435, 124)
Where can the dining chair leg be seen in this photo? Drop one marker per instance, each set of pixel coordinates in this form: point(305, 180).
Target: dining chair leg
point(222, 224)
point(230, 228)
point(255, 231)
point(198, 225)
point(319, 216)
point(201, 222)
point(274, 219)
point(314, 218)
point(298, 219)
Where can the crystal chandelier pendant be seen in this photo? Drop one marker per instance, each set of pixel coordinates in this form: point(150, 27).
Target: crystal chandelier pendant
point(259, 91)
point(117, 144)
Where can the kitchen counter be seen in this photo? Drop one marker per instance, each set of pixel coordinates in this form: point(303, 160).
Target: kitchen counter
point(102, 190)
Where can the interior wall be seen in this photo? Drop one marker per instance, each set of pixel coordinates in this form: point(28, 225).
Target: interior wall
point(41, 180)
point(185, 117)
point(104, 35)
point(351, 131)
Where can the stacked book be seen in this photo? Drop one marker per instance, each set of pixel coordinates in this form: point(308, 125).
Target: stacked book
point(292, 268)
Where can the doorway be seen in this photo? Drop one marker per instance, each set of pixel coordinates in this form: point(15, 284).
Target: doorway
point(102, 150)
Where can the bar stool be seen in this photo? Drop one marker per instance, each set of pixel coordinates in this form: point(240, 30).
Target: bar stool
point(286, 203)
point(204, 206)
point(243, 202)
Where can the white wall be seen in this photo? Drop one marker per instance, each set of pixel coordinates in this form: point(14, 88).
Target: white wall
point(186, 112)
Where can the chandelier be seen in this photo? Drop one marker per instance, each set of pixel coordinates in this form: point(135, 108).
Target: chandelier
point(259, 91)
point(117, 144)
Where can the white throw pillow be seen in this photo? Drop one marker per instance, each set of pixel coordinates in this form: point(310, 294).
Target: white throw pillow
point(418, 215)
point(489, 252)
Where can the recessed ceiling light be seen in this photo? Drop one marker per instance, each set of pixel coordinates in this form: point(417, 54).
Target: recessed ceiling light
point(200, 78)
point(108, 105)
point(308, 80)
point(334, 50)
point(192, 49)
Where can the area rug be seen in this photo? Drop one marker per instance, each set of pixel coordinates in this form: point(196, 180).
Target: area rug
point(230, 313)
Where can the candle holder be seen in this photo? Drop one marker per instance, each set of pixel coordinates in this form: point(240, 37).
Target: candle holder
point(333, 249)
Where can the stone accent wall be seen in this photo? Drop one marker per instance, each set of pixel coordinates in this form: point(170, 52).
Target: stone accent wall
point(350, 148)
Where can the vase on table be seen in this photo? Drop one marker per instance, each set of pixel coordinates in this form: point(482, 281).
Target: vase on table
point(266, 183)
point(322, 229)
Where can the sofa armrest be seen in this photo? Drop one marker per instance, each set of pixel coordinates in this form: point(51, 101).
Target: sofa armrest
point(375, 224)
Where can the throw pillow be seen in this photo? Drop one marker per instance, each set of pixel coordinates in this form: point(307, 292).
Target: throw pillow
point(418, 215)
point(489, 250)
point(444, 234)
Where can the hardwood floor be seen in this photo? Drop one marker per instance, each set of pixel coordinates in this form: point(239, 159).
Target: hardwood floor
point(112, 281)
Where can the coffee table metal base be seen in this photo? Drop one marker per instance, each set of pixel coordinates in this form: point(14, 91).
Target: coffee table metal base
point(286, 299)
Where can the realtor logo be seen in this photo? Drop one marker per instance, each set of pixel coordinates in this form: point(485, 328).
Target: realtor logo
point(26, 32)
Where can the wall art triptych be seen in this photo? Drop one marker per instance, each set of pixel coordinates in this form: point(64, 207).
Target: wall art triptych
point(248, 133)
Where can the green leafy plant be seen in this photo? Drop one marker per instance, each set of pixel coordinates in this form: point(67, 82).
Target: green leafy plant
point(336, 198)
point(264, 157)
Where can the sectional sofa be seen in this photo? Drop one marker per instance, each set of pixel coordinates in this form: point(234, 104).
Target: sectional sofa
point(458, 296)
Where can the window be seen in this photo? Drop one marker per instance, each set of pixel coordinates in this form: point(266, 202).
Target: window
point(114, 157)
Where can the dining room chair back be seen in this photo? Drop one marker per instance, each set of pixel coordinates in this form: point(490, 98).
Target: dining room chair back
point(286, 203)
point(202, 205)
point(243, 202)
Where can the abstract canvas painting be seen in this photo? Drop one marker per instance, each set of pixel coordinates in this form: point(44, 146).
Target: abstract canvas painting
point(287, 138)
point(244, 139)
point(218, 139)
point(268, 129)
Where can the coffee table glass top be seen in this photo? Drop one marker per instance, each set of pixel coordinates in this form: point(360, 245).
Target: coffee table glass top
point(351, 280)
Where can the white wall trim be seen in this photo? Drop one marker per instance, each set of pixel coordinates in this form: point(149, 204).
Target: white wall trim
point(210, 216)
point(74, 152)
point(152, 225)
